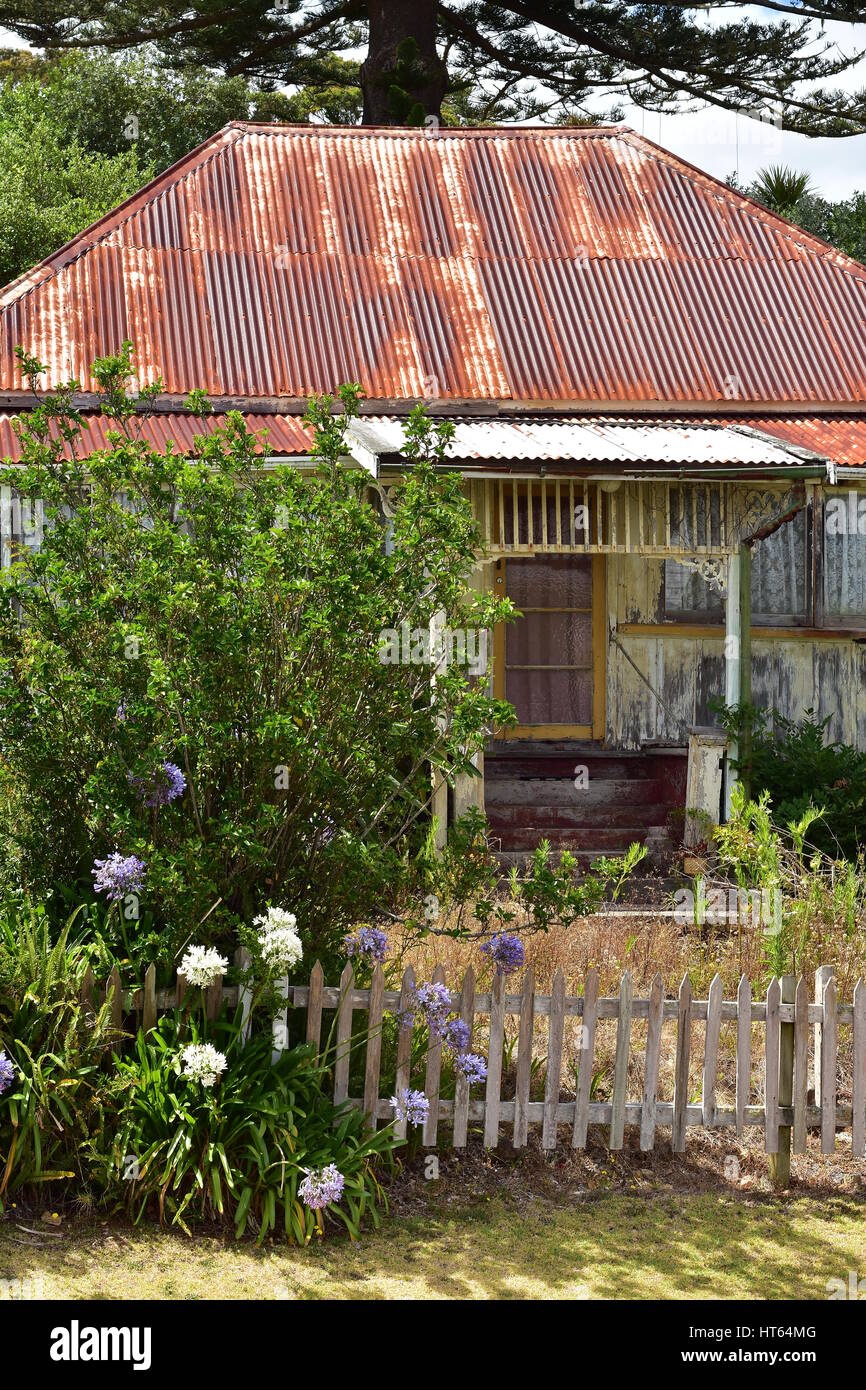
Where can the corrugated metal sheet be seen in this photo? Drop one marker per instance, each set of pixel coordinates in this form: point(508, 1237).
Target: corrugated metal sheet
point(623, 443)
point(595, 439)
point(838, 437)
point(286, 434)
point(534, 265)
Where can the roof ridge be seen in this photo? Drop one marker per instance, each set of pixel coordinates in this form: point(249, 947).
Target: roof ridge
point(606, 131)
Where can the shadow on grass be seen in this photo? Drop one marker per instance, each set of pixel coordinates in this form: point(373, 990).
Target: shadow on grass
point(609, 1247)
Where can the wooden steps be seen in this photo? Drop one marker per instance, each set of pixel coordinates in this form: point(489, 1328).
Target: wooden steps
point(581, 798)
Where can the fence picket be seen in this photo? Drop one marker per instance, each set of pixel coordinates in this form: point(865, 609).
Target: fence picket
point(114, 993)
point(524, 1060)
point(213, 1001)
point(280, 1023)
point(180, 988)
point(651, 1064)
point(822, 975)
point(681, 1069)
point(461, 1092)
point(744, 1051)
point(494, 1063)
point(432, 1075)
point(373, 1059)
point(620, 1066)
point(771, 1069)
point(314, 1005)
point(585, 1064)
point(553, 1079)
point(404, 1045)
point(245, 994)
point(828, 1069)
point(711, 1052)
point(801, 1064)
point(344, 1035)
point(148, 1012)
point(858, 1089)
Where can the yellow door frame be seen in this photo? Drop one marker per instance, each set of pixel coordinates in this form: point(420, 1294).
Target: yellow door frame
point(594, 731)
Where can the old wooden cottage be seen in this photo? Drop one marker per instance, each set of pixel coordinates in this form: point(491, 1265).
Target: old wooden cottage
point(660, 397)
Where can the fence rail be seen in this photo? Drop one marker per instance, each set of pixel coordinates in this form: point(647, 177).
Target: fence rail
point(788, 1023)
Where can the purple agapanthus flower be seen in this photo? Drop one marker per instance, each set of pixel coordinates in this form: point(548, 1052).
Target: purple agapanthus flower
point(411, 1106)
point(457, 1035)
point(121, 714)
point(505, 951)
point(118, 875)
point(434, 1002)
point(166, 784)
point(7, 1073)
point(470, 1065)
point(323, 1188)
point(368, 943)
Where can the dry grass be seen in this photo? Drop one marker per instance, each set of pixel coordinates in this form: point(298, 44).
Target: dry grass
point(645, 943)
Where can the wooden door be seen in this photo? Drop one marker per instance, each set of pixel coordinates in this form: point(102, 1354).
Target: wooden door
point(549, 663)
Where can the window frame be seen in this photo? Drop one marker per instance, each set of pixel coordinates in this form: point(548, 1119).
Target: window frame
point(833, 622)
point(704, 617)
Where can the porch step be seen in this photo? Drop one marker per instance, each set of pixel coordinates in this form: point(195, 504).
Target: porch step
point(519, 858)
point(610, 840)
point(530, 795)
point(641, 892)
point(577, 816)
point(631, 768)
point(562, 792)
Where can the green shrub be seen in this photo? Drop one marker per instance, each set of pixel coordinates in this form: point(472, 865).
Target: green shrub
point(800, 769)
point(59, 1104)
point(237, 1151)
point(227, 621)
point(807, 907)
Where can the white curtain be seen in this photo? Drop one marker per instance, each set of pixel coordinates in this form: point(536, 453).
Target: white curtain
point(779, 569)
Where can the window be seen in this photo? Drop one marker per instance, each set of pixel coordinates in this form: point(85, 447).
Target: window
point(844, 588)
point(780, 581)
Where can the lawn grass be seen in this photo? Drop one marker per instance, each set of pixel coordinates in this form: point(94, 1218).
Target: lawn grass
point(672, 1246)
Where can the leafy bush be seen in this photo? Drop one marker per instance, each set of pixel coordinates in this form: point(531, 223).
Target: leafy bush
point(238, 1151)
point(807, 906)
point(464, 885)
point(799, 769)
point(58, 1105)
point(191, 673)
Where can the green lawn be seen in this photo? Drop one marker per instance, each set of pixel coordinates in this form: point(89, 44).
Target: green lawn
point(702, 1246)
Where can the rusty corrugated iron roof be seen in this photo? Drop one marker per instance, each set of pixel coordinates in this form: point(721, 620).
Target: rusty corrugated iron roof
point(285, 434)
point(841, 438)
point(532, 265)
point(766, 442)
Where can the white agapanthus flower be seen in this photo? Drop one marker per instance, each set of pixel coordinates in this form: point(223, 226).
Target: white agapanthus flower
point(203, 1063)
point(278, 938)
point(203, 966)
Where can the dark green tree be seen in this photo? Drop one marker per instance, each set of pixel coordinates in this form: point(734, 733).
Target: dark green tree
point(663, 57)
point(842, 224)
point(52, 184)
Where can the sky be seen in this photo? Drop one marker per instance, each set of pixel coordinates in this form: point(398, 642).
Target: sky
point(723, 143)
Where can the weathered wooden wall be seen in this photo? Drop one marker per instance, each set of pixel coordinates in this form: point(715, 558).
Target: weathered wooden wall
point(790, 674)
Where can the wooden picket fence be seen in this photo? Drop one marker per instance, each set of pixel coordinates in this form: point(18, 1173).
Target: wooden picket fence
point(787, 1016)
point(786, 1024)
